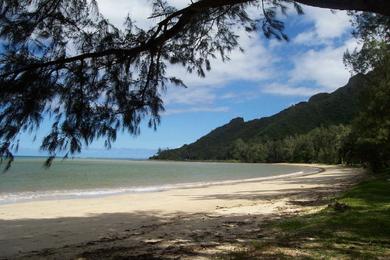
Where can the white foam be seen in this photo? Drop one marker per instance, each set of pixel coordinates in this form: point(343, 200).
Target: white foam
point(16, 197)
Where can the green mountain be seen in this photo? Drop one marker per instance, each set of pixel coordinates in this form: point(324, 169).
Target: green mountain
point(339, 107)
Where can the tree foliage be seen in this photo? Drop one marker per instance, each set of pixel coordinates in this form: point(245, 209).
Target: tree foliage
point(320, 145)
point(63, 59)
point(369, 142)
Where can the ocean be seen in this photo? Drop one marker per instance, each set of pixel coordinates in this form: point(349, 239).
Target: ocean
point(29, 180)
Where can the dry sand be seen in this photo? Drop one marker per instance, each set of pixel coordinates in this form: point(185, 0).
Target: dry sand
point(191, 223)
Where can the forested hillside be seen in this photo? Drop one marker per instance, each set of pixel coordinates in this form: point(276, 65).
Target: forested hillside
point(294, 123)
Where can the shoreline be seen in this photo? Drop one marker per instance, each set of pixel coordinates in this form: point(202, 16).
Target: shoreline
point(147, 221)
point(74, 194)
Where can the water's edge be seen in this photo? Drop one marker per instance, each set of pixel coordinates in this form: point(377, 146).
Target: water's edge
point(21, 197)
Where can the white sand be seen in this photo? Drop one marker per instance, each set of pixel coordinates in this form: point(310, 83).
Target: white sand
point(39, 225)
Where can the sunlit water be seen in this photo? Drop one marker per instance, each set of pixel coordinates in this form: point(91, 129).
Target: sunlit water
point(29, 180)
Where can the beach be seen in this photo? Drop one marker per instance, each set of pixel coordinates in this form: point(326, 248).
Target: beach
point(191, 222)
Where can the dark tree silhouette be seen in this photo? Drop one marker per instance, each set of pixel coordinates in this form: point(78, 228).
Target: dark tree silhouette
point(63, 59)
point(373, 6)
point(369, 141)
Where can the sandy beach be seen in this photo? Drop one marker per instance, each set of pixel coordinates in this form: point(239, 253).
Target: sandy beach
point(186, 223)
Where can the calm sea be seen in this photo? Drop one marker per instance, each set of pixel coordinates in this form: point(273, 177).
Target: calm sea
point(29, 180)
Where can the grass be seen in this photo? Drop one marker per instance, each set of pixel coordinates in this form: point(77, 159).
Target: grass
point(355, 225)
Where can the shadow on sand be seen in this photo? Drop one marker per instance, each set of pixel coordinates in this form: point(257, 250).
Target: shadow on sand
point(153, 235)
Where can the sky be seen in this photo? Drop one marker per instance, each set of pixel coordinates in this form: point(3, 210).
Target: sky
point(266, 78)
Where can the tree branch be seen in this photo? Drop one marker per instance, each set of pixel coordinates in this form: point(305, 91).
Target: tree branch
point(374, 6)
point(187, 14)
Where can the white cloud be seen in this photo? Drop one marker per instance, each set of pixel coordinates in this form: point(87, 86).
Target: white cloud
point(327, 26)
point(190, 96)
point(139, 11)
point(241, 96)
point(285, 90)
point(324, 66)
point(116, 11)
point(308, 38)
point(172, 111)
point(253, 65)
point(321, 61)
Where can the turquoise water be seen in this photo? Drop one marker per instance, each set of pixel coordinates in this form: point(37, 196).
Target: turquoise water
point(29, 180)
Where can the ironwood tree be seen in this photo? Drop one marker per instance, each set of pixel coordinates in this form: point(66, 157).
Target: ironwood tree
point(62, 59)
point(369, 141)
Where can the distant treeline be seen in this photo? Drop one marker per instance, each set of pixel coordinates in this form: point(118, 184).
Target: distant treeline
point(320, 145)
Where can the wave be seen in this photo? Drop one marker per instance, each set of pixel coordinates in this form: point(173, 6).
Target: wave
point(18, 197)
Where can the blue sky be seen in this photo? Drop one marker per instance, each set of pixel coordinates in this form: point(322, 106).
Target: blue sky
point(268, 77)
